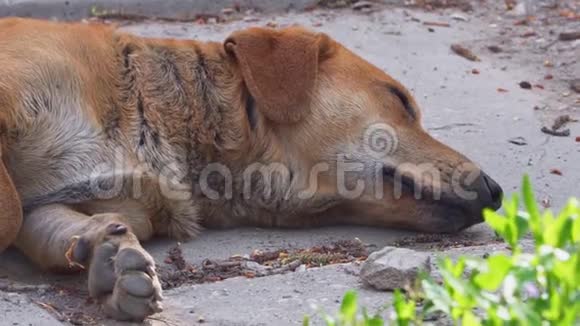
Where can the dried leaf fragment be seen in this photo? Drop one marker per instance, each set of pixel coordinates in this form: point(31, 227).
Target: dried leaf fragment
point(464, 52)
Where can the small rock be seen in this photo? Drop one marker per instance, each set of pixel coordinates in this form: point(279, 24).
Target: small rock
point(525, 85)
point(394, 268)
point(575, 85)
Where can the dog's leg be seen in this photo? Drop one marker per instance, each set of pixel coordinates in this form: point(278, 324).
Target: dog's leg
point(121, 273)
point(10, 208)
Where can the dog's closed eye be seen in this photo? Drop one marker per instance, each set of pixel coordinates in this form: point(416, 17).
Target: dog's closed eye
point(404, 100)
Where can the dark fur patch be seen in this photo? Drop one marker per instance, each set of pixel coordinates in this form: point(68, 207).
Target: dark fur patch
point(201, 76)
point(101, 187)
point(38, 103)
point(112, 121)
point(143, 125)
point(251, 111)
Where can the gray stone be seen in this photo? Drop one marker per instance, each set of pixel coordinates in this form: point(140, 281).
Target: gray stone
point(392, 268)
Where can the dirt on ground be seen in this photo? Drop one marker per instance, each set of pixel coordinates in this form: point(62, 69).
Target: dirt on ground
point(177, 271)
point(438, 242)
point(69, 301)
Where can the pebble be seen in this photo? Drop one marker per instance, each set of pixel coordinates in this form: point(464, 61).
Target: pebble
point(393, 268)
point(525, 85)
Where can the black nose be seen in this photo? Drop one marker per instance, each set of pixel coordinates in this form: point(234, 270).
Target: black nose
point(495, 192)
point(488, 195)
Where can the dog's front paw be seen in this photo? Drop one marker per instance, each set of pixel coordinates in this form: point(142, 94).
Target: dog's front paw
point(122, 277)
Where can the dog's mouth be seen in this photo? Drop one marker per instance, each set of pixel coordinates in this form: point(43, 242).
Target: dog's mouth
point(420, 208)
point(446, 211)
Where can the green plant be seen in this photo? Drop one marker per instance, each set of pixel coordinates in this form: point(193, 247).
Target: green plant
point(527, 287)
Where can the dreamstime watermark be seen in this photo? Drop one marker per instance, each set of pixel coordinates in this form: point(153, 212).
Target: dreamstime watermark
point(367, 171)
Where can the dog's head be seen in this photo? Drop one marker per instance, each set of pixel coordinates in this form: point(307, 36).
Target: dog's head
point(350, 132)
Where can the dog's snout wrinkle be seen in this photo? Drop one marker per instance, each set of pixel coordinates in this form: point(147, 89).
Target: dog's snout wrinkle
point(406, 182)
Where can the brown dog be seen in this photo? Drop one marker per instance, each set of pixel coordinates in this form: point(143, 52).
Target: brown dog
point(108, 139)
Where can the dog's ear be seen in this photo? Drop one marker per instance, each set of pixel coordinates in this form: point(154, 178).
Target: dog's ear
point(279, 68)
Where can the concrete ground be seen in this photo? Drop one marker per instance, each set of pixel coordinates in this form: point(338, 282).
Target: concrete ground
point(461, 106)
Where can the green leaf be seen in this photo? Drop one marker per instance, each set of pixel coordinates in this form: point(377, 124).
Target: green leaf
point(576, 230)
point(405, 309)
point(572, 212)
point(375, 321)
point(498, 266)
point(511, 207)
point(469, 319)
point(348, 307)
point(495, 221)
point(306, 321)
point(558, 232)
